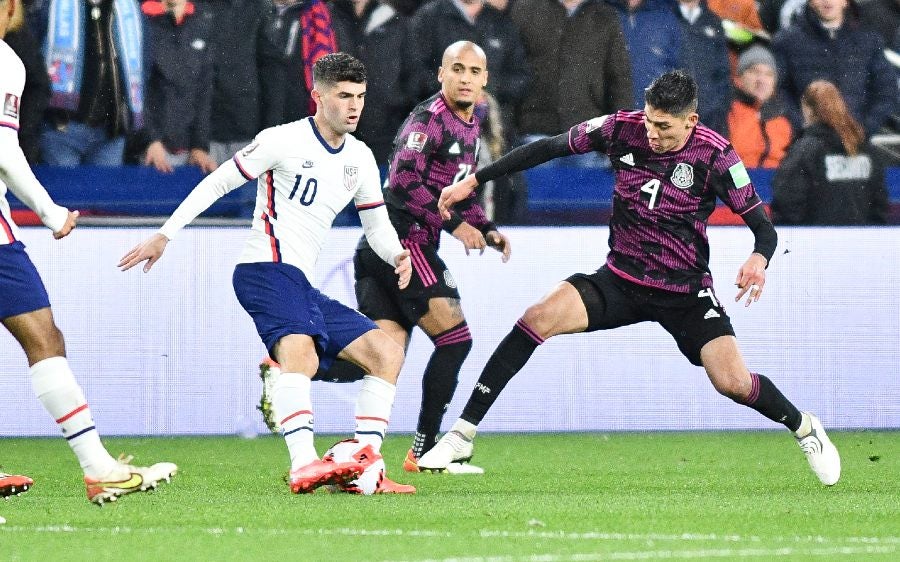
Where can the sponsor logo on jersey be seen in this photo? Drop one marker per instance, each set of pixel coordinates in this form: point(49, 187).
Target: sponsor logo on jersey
point(416, 141)
point(449, 280)
point(711, 313)
point(683, 175)
point(351, 174)
point(454, 148)
point(249, 148)
point(11, 106)
point(628, 159)
point(308, 163)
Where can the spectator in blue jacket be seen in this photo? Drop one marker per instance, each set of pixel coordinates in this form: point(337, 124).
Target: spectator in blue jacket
point(828, 42)
point(704, 55)
point(653, 37)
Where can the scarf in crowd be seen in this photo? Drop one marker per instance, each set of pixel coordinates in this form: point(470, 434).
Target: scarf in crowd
point(64, 53)
point(317, 40)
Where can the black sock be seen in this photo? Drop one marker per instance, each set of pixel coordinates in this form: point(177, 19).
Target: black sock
point(340, 371)
point(508, 359)
point(439, 383)
point(766, 399)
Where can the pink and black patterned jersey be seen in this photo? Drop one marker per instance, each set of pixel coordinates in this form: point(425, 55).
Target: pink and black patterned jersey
point(433, 149)
point(661, 202)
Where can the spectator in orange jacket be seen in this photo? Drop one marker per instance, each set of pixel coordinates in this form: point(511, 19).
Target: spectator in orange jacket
point(758, 124)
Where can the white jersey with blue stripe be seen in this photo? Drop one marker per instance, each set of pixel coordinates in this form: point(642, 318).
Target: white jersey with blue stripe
point(302, 184)
point(15, 174)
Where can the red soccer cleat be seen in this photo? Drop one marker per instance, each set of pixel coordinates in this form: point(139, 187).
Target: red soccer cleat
point(13, 485)
point(388, 486)
point(320, 473)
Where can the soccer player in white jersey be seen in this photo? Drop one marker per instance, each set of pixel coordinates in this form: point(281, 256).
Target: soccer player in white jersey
point(308, 171)
point(25, 308)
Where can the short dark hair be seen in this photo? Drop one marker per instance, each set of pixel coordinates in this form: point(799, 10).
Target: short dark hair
point(675, 92)
point(338, 67)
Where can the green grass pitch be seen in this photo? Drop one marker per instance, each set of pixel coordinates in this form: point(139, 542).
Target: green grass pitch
point(545, 498)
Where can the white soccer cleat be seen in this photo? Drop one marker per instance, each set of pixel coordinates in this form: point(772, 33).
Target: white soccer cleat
point(269, 371)
point(463, 468)
point(126, 479)
point(453, 447)
point(821, 453)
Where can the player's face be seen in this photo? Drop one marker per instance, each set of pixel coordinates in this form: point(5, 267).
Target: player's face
point(667, 132)
point(342, 105)
point(463, 78)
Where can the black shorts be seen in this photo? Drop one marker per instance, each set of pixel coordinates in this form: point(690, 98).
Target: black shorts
point(693, 319)
point(379, 297)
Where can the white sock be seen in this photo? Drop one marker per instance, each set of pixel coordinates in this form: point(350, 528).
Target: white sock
point(293, 409)
point(59, 392)
point(373, 410)
point(466, 428)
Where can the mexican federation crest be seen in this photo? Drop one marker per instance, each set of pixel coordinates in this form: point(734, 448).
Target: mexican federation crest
point(351, 174)
point(683, 175)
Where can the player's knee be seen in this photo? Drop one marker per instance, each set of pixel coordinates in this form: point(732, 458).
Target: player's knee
point(48, 343)
point(540, 319)
point(731, 386)
point(387, 360)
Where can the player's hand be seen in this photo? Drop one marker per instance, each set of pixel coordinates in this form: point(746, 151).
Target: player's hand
point(150, 250)
point(471, 237)
point(453, 194)
point(500, 243)
point(69, 225)
point(751, 279)
point(403, 269)
point(158, 157)
point(202, 160)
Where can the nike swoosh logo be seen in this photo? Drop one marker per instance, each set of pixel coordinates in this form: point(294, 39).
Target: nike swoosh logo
point(133, 482)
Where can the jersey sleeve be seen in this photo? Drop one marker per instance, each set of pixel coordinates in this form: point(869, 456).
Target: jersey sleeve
point(258, 157)
point(732, 182)
point(592, 135)
point(373, 214)
point(18, 177)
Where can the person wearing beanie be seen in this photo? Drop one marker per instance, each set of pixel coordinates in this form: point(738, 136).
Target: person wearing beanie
point(757, 122)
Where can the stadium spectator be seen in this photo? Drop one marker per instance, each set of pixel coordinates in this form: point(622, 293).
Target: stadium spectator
point(308, 171)
point(653, 39)
point(704, 55)
point(740, 18)
point(578, 60)
point(179, 84)
point(829, 43)
point(374, 32)
point(830, 175)
point(758, 126)
point(776, 15)
point(36, 94)
point(301, 33)
point(884, 17)
point(241, 49)
point(25, 309)
point(96, 69)
point(669, 172)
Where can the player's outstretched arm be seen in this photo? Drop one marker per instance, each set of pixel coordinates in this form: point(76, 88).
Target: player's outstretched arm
point(150, 250)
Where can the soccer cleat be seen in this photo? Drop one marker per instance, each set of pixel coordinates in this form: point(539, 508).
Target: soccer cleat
point(411, 464)
point(268, 372)
point(453, 447)
point(14, 485)
point(388, 486)
point(822, 455)
point(320, 473)
point(126, 479)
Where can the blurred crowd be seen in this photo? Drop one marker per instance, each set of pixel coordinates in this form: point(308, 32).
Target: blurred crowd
point(189, 82)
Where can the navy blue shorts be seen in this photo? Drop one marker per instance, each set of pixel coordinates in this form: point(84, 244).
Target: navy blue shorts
point(21, 286)
point(282, 302)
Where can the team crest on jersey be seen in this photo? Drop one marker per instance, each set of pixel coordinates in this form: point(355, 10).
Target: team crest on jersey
point(249, 148)
point(449, 280)
point(416, 141)
point(11, 106)
point(351, 174)
point(683, 175)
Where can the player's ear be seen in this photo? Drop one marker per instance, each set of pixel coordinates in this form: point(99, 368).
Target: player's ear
point(693, 119)
point(441, 74)
point(316, 96)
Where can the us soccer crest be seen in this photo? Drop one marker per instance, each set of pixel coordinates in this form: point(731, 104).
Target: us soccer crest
point(683, 176)
point(11, 106)
point(351, 174)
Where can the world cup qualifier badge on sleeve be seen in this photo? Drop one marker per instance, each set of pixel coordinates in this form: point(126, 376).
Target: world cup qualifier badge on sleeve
point(11, 106)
